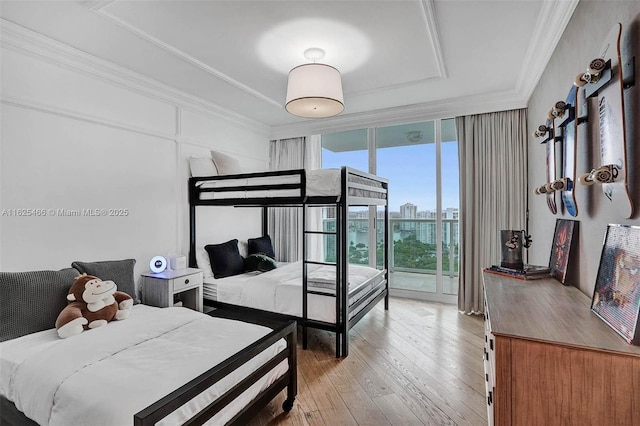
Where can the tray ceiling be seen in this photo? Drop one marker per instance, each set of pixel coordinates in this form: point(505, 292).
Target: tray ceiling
point(398, 58)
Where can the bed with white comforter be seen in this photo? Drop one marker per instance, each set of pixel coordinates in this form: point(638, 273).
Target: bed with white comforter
point(106, 375)
point(280, 290)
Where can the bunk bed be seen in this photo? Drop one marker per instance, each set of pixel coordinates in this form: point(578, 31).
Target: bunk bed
point(338, 188)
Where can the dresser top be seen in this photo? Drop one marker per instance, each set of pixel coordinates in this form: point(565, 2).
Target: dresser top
point(546, 311)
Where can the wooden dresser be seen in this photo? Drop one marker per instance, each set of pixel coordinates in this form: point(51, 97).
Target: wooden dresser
point(550, 361)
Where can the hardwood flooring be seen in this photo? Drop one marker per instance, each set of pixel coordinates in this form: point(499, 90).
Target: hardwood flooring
point(418, 363)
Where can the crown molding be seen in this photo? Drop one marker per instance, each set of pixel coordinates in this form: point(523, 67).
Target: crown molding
point(551, 23)
point(23, 40)
point(100, 10)
point(477, 104)
point(432, 27)
point(428, 10)
point(88, 118)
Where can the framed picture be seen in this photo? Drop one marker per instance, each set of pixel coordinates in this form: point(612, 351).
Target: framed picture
point(563, 242)
point(616, 296)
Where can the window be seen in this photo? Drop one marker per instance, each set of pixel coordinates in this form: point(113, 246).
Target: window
point(421, 162)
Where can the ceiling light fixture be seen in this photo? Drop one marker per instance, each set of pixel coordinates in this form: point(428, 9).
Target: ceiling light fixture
point(314, 90)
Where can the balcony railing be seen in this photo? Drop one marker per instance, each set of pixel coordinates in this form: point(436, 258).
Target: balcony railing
point(414, 247)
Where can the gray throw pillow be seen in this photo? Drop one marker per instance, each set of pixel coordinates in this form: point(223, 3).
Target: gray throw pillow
point(118, 271)
point(31, 301)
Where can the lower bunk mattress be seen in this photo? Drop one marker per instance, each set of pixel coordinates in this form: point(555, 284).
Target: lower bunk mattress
point(280, 290)
point(106, 375)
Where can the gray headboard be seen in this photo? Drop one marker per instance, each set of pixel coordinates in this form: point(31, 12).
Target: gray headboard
point(31, 301)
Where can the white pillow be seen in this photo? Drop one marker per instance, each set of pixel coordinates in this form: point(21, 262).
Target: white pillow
point(243, 248)
point(203, 262)
point(202, 167)
point(226, 164)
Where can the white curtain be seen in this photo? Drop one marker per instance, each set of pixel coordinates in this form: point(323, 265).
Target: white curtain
point(493, 193)
point(285, 223)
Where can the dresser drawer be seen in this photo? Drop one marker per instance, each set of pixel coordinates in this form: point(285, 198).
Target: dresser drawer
point(186, 281)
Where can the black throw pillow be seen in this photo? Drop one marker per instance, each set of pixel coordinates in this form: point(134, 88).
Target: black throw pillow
point(225, 259)
point(261, 245)
point(259, 262)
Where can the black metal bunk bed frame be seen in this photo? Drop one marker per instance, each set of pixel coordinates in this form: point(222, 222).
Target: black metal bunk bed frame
point(347, 314)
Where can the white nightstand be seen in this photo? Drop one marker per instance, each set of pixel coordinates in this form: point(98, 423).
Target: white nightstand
point(167, 288)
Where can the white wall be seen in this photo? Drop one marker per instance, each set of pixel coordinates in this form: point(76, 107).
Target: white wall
point(75, 136)
point(580, 43)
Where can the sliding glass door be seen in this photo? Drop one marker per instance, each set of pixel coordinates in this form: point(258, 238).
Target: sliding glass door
point(420, 161)
point(347, 149)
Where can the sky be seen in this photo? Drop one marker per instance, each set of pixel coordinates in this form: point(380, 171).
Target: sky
point(411, 171)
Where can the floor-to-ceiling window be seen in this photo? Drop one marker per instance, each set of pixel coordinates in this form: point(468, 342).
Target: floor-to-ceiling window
point(346, 149)
point(421, 162)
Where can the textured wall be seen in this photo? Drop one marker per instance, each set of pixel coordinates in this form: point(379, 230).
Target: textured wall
point(580, 43)
point(74, 141)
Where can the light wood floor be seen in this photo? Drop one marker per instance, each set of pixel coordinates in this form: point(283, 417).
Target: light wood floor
point(418, 363)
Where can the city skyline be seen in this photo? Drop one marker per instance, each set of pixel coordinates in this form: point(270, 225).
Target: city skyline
point(418, 214)
point(411, 171)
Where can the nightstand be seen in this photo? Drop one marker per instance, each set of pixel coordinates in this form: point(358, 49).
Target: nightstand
point(169, 288)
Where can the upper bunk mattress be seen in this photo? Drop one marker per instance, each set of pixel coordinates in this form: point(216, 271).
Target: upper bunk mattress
point(319, 183)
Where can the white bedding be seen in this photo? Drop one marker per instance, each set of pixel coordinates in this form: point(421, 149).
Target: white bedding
point(323, 182)
point(280, 290)
point(106, 375)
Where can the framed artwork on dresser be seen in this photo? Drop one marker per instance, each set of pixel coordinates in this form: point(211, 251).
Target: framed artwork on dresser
point(564, 238)
point(616, 296)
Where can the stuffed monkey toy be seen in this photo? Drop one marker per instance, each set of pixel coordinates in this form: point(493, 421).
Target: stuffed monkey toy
point(92, 303)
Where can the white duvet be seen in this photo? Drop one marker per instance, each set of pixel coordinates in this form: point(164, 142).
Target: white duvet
point(280, 290)
point(106, 375)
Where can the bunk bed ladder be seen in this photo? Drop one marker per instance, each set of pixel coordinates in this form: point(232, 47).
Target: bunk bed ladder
point(306, 262)
point(305, 294)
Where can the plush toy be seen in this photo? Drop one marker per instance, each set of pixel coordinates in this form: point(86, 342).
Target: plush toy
point(92, 303)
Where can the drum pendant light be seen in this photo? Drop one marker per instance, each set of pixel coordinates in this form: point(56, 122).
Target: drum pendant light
point(314, 90)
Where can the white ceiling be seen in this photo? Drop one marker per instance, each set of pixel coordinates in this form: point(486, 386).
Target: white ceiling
point(401, 60)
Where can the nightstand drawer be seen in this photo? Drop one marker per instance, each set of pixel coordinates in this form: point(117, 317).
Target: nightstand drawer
point(165, 288)
point(187, 281)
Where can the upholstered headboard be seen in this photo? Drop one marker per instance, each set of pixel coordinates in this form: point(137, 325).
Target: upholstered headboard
point(31, 301)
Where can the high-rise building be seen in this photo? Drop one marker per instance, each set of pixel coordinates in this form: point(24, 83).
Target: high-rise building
point(450, 213)
point(408, 211)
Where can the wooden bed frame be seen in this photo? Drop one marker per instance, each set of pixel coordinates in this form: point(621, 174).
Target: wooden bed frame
point(351, 187)
point(10, 415)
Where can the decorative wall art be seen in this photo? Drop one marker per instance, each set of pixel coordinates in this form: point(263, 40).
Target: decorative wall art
point(616, 297)
point(563, 241)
